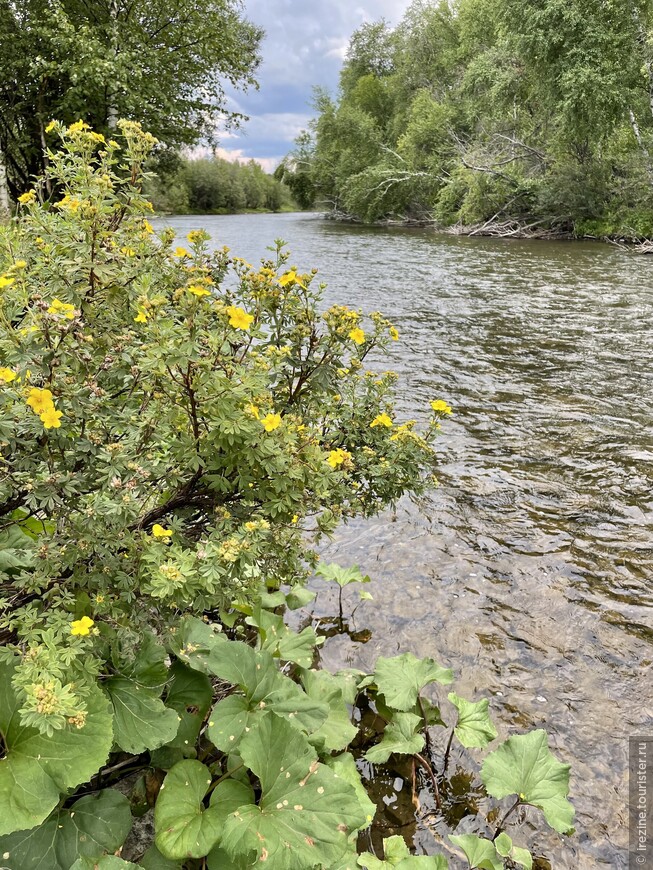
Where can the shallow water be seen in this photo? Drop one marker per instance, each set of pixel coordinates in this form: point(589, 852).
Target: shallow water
point(529, 570)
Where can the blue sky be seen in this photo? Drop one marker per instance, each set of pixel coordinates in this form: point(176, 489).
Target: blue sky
point(304, 45)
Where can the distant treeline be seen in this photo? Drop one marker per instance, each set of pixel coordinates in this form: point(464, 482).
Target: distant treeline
point(537, 113)
point(215, 186)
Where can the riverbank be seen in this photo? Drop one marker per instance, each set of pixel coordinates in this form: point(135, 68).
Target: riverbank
point(507, 229)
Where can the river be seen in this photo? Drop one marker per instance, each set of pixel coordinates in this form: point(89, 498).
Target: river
point(529, 569)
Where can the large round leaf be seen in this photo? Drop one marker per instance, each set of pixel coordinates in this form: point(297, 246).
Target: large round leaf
point(184, 829)
point(401, 737)
point(400, 679)
point(94, 826)
point(524, 766)
point(306, 812)
point(141, 720)
point(474, 727)
point(36, 768)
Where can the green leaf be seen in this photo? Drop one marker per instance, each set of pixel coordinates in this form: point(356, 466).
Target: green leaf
point(270, 600)
point(195, 642)
point(154, 860)
point(337, 731)
point(344, 765)
point(265, 688)
point(401, 736)
point(281, 642)
point(149, 667)
point(306, 812)
point(523, 857)
point(401, 678)
point(228, 721)
point(218, 859)
point(94, 826)
point(37, 768)
point(184, 827)
point(16, 549)
point(140, 719)
point(474, 727)
point(524, 766)
point(397, 855)
point(298, 597)
point(432, 712)
point(503, 844)
point(107, 862)
point(342, 576)
point(479, 851)
point(190, 695)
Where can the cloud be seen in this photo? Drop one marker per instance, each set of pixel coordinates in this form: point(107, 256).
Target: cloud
point(305, 45)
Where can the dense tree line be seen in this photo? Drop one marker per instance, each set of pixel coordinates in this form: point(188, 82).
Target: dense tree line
point(162, 62)
point(215, 186)
point(490, 111)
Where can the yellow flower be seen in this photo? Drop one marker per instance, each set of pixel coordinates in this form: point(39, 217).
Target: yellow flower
point(295, 519)
point(50, 126)
point(381, 420)
point(51, 418)
point(78, 127)
point(69, 202)
point(291, 278)
point(159, 532)
point(6, 375)
point(198, 290)
point(195, 236)
point(239, 318)
point(181, 252)
point(253, 410)
point(26, 198)
point(128, 252)
point(337, 457)
point(147, 226)
point(19, 264)
point(141, 317)
point(441, 407)
point(271, 422)
point(394, 334)
point(6, 281)
point(63, 308)
point(39, 400)
point(82, 626)
point(357, 335)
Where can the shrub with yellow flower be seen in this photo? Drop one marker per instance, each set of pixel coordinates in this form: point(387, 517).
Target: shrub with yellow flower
point(175, 391)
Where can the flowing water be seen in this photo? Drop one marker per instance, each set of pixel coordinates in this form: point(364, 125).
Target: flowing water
point(530, 569)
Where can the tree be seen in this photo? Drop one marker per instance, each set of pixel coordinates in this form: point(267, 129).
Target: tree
point(162, 62)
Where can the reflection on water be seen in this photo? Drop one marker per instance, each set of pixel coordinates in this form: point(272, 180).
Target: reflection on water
point(529, 569)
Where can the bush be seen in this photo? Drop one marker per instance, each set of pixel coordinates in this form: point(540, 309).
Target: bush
point(178, 428)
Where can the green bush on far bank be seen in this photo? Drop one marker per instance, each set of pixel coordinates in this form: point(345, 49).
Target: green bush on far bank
point(212, 185)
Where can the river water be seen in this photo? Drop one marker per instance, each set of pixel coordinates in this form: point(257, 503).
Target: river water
point(529, 570)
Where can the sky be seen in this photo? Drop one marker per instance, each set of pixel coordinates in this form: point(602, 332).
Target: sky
point(304, 45)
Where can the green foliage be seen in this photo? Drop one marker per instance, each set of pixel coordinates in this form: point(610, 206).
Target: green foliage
point(524, 766)
point(473, 727)
point(35, 769)
point(94, 826)
point(216, 186)
point(178, 430)
point(118, 59)
point(397, 855)
point(400, 679)
point(483, 112)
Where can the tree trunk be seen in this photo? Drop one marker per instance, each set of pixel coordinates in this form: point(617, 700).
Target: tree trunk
point(4, 189)
point(112, 111)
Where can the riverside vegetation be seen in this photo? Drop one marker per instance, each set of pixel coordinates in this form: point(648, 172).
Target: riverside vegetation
point(178, 428)
point(507, 116)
